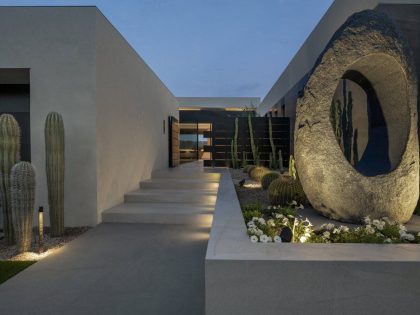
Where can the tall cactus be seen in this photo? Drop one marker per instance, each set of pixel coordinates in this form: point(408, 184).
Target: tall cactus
point(54, 151)
point(22, 191)
point(273, 158)
point(281, 167)
point(9, 156)
point(254, 148)
point(234, 146)
point(292, 167)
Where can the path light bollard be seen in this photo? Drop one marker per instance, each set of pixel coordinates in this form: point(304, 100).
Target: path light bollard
point(41, 229)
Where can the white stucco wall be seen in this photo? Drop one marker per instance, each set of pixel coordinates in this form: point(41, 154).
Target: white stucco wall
point(57, 44)
point(113, 105)
point(132, 104)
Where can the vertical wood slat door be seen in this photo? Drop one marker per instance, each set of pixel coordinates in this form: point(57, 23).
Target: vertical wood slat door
point(173, 141)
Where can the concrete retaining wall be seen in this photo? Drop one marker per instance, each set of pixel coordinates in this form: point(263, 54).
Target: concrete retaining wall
point(247, 278)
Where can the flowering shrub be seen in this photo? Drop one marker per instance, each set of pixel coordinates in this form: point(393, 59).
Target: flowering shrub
point(374, 231)
point(266, 226)
point(267, 229)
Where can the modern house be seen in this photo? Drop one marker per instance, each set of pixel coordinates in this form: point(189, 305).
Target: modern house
point(73, 61)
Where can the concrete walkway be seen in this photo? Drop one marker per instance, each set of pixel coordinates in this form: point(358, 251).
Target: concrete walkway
point(118, 268)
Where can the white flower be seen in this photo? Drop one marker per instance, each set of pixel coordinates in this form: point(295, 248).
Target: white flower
point(329, 226)
point(279, 216)
point(336, 231)
point(344, 228)
point(251, 224)
point(277, 239)
point(293, 203)
point(326, 234)
point(370, 229)
point(271, 222)
point(285, 221)
point(274, 207)
point(254, 218)
point(254, 239)
point(367, 220)
point(408, 237)
point(263, 238)
point(379, 234)
point(303, 239)
point(261, 221)
point(259, 232)
point(269, 239)
point(402, 227)
point(387, 240)
point(269, 207)
point(378, 224)
point(300, 207)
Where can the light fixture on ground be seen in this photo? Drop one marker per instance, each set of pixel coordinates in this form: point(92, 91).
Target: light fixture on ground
point(40, 230)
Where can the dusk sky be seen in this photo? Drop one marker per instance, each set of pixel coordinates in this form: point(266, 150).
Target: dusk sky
point(211, 47)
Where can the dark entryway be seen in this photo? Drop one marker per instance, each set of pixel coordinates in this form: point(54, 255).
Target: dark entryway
point(15, 100)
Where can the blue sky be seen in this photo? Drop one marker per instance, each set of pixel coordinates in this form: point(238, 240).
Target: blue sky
point(211, 47)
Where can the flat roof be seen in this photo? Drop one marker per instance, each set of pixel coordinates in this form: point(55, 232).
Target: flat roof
point(313, 46)
point(218, 102)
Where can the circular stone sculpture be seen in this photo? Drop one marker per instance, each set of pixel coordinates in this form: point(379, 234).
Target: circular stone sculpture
point(369, 43)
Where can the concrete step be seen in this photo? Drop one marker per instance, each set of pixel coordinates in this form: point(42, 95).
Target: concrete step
point(180, 174)
point(163, 183)
point(159, 214)
point(187, 196)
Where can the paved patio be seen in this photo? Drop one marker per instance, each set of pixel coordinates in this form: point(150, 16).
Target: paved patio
point(116, 269)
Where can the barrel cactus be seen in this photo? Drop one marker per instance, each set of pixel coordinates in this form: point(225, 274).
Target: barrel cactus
point(282, 191)
point(9, 156)
point(22, 191)
point(268, 178)
point(250, 168)
point(247, 167)
point(54, 151)
point(258, 172)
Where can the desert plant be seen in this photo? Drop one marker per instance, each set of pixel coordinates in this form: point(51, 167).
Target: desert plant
point(244, 160)
point(22, 191)
point(9, 156)
point(54, 151)
point(254, 148)
point(281, 166)
point(258, 172)
point(283, 191)
point(247, 167)
point(273, 158)
point(234, 146)
point(292, 167)
point(268, 178)
point(250, 168)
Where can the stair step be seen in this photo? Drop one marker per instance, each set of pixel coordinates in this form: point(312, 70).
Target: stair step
point(172, 196)
point(179, 174)
point(159, 214)
point(162, 183)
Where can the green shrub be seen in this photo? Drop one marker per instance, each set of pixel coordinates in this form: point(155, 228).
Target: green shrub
point(250, 168)
point(258, 172)
point(268, 178)
point(283, 191)
point(251, 210)
point(247, 168)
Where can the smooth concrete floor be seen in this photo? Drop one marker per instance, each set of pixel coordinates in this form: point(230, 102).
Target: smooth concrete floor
point(116, 269)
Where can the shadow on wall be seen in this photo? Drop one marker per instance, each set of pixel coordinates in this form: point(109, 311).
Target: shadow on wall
point(359, 125)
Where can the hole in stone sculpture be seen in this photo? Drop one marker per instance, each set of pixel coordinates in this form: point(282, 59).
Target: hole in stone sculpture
point(369, 114)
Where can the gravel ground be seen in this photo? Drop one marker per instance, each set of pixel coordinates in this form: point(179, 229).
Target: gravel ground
point(50, 244)
point(251, 192)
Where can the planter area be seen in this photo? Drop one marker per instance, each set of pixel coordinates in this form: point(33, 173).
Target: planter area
point(248, 278)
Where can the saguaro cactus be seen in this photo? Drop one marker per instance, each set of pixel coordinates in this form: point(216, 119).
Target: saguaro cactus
point(54, 151)
point(292, 167)
point(9, 156)
point(254, 148)
point(273, 157)
point(22, 191)
point(234, 146)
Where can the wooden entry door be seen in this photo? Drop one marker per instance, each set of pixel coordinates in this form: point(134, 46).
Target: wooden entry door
point(173, 128)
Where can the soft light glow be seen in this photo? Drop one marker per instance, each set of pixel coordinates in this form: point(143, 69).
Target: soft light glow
point(36, 256)
point(252, 185)
point(41, 229)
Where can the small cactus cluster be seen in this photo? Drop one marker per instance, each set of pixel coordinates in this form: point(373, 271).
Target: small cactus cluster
point(268, 178)
point(54, 152)
point(282, 191)
point(22, 191)
point(258, 172)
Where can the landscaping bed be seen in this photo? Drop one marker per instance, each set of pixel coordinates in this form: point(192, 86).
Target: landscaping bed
point(50, 244)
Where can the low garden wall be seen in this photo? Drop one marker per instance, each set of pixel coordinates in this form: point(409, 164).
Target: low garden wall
point(248, 278)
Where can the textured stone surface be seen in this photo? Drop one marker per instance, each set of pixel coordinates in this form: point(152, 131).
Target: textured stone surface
point(367, 42)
